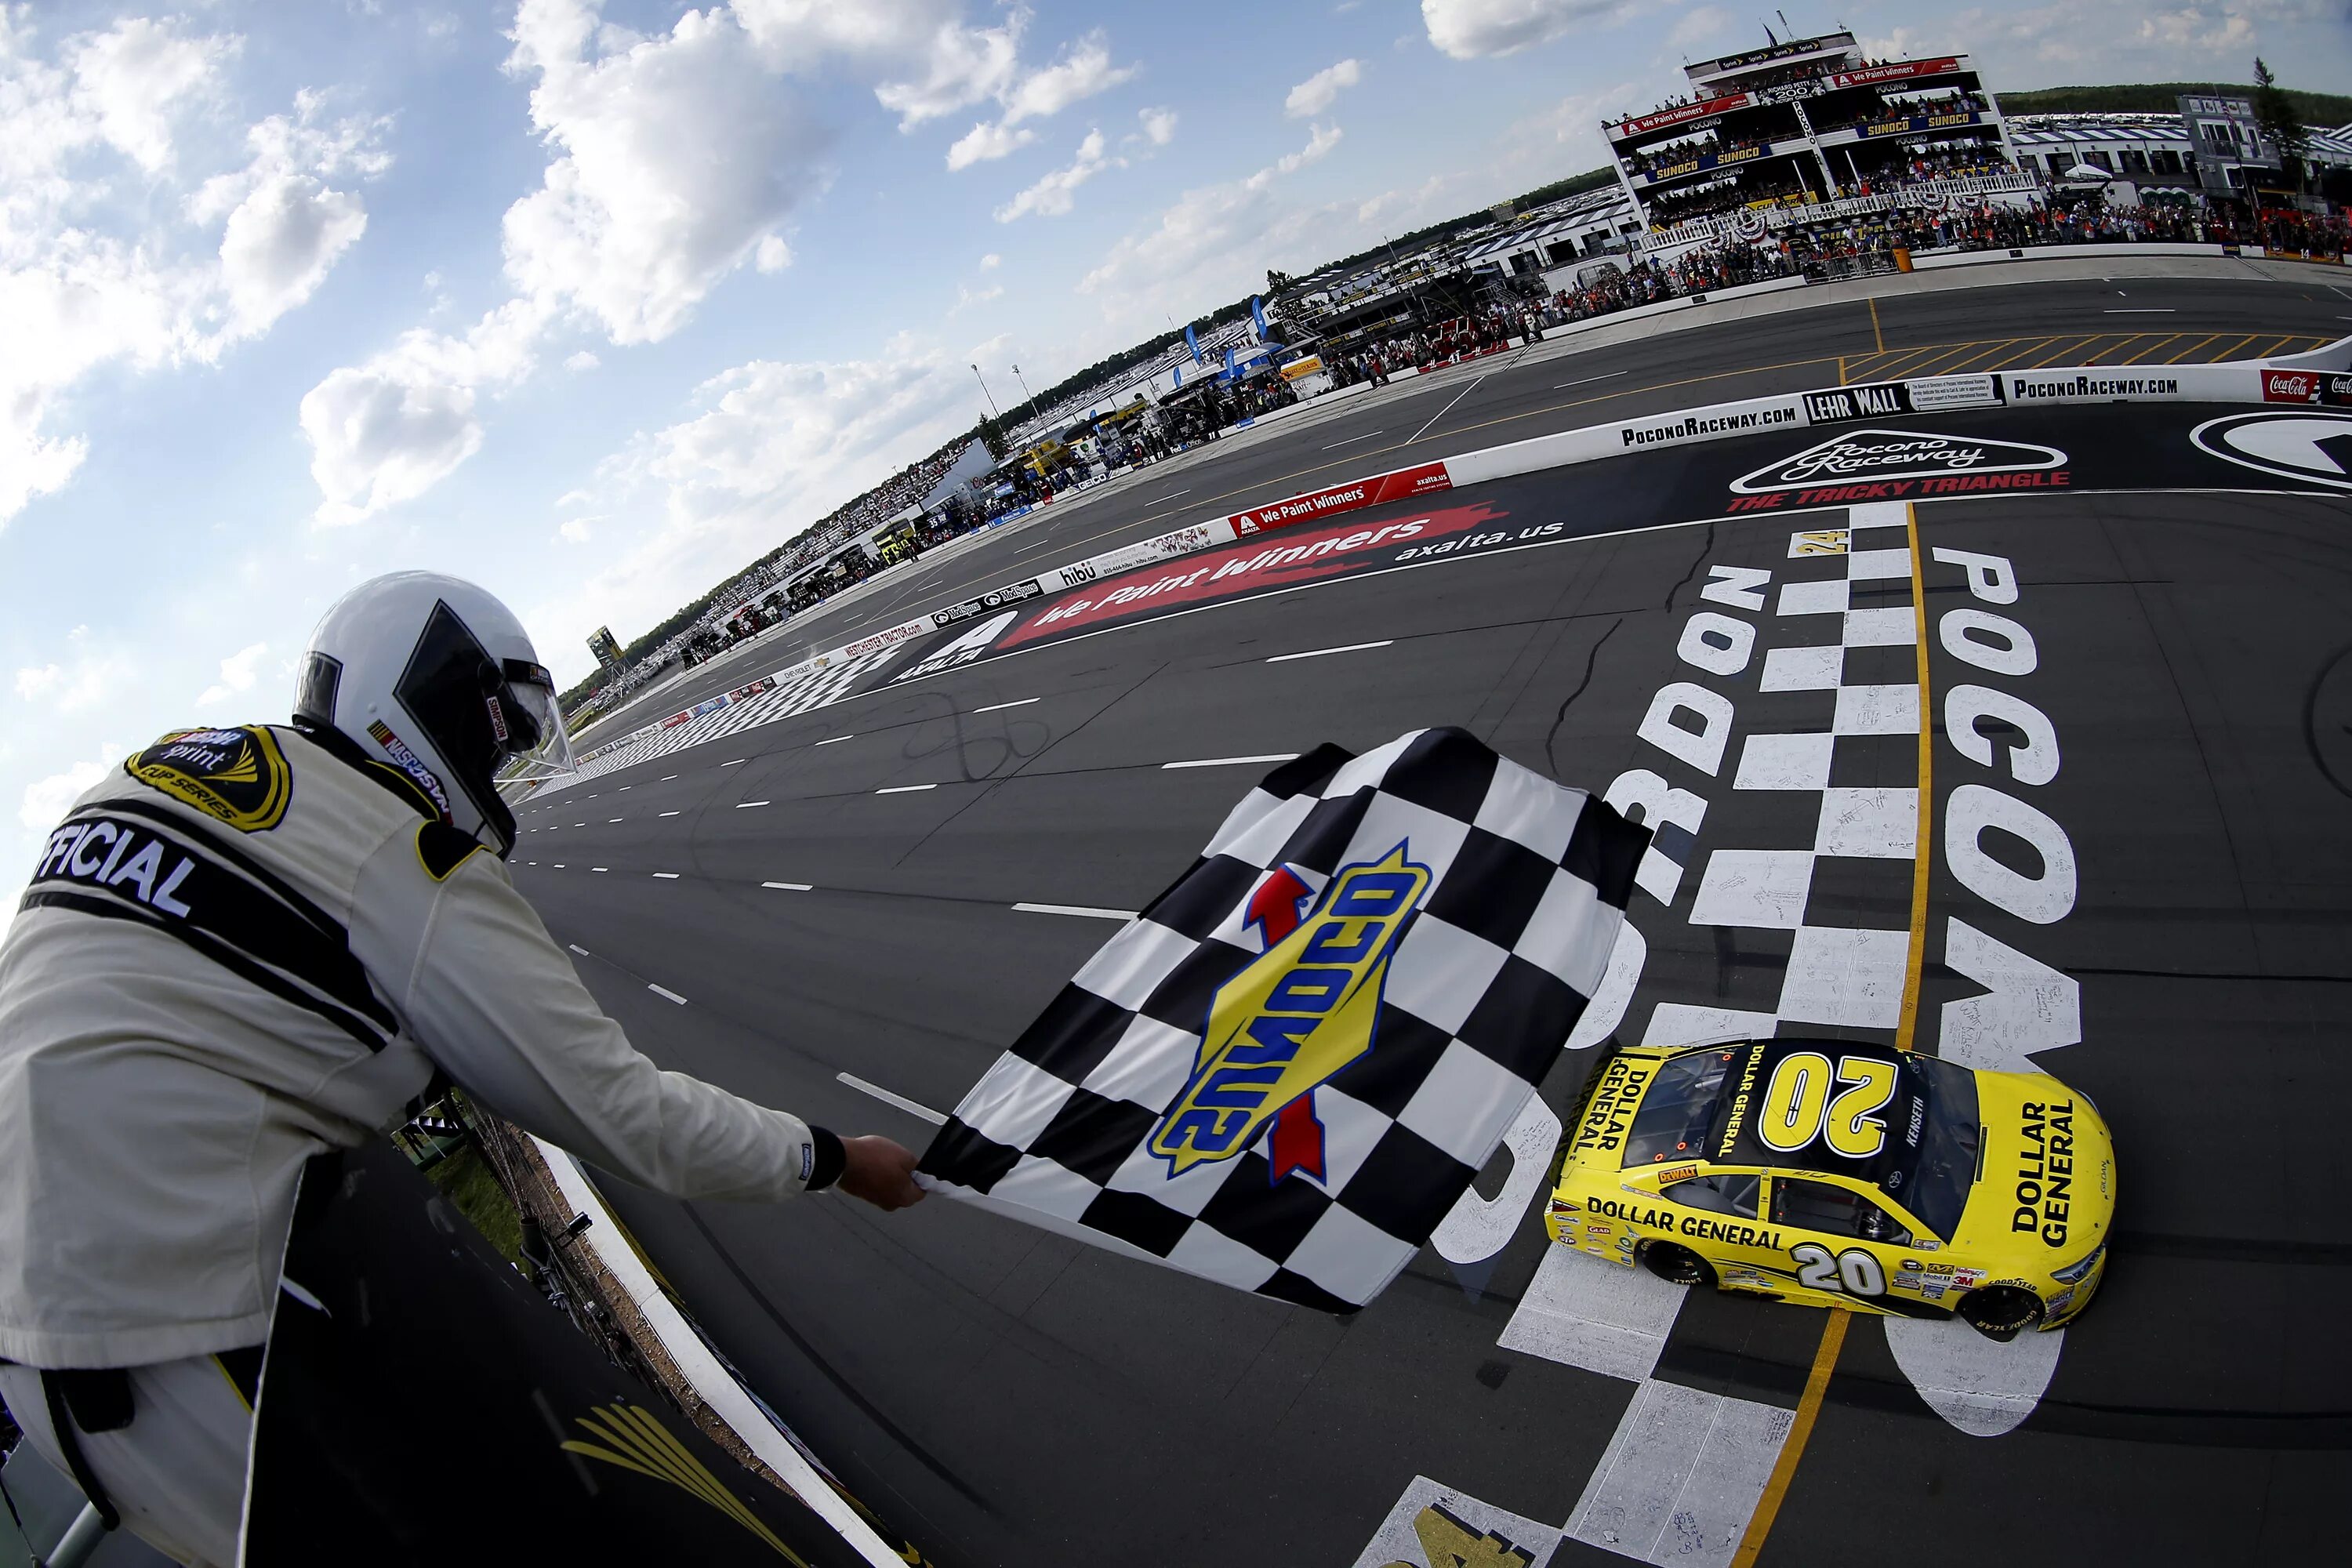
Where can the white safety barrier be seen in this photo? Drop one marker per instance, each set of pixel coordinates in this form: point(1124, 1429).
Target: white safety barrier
point(2323, 376)
point(717, 1386)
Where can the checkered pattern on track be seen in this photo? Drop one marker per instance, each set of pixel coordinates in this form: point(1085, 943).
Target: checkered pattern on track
point(803, 692)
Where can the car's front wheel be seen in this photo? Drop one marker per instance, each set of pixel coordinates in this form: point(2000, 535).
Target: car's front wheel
point(2001, 1312)
point(1677, 1265)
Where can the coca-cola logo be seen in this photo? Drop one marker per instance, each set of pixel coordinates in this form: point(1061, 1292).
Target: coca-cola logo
point(1896, 455)
point(2290, 386)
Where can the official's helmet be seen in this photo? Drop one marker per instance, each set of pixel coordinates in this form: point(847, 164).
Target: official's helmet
point(436, 676)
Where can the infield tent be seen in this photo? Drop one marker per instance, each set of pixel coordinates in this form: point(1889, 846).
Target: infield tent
point(1287, 1069)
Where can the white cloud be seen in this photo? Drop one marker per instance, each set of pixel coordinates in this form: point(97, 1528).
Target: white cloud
point(583, 360)
point(238, 673)
point(1322, 89)
point(1159, 125)
point(46, 800)
point(1055, 192)
point(1320, 138)
point(967, 297)
point(1216, 240)
point(131, 79)
point(2194, 28)
point(1698, 25)
point(675, 158)
point(985, 141)
point(107, 255)
point(83, 685)
point(991, 261)
point(389, 429)
point(1470, 29)
point(678, 155)
point(575, 530)
point(1083, 70)
point(772, 446)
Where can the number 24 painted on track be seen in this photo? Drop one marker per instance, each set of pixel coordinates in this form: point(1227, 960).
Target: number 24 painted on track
point(1800, 1108)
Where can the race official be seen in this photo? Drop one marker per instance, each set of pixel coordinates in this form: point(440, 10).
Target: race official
point(249, 945)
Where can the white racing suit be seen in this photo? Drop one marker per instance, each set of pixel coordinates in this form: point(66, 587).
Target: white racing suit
point(242, 947)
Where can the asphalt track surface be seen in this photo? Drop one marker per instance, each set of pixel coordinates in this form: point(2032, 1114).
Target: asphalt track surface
point(840, 892)
point(1570, 381)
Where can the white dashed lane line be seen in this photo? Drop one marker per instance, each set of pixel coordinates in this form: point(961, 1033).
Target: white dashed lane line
point(1319, 652)
point(904, 789)
point(577, 948)
point(669, 813)
point(1231, 762)
point(610, 820)
point(791, 887)
point(665, 993)
point(999, 707)
point(736, 764)
point(1351, 440)
point(886, 1098)
point(748, 804)
point(1080, 909)
point(665, 875)
point(665, 778)
point(600, 867)
point(835, 740)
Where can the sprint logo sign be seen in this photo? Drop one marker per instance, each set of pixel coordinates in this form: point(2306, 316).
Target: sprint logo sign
point(1300, 1013)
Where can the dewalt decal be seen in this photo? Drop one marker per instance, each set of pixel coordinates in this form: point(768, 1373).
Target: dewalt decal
point(237, 776)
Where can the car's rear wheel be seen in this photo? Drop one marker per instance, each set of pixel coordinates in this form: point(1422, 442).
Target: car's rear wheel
point(1677, 1265)
point(2001, 1312)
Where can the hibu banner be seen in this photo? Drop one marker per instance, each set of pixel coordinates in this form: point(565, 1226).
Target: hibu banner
point(1287, 1069)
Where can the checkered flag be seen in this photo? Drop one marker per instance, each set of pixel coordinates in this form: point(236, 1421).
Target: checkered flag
point(1286, 1071)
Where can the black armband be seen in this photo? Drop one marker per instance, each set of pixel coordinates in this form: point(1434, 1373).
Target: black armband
point(825, 1161)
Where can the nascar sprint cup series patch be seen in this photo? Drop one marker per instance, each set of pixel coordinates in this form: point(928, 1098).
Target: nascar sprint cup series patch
point(237, 776)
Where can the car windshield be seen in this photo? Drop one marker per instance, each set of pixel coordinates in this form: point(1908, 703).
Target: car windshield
point(1933, 1183)
point(1675, 1113)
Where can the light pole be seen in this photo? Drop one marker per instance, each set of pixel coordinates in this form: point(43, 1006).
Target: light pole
point(1033, 409)
point(985, 393)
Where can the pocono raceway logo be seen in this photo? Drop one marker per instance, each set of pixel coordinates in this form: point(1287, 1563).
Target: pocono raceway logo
point(2312, 448)
point(1891, 465)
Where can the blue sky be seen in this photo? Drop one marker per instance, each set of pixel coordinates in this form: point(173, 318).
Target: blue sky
point(591, 304)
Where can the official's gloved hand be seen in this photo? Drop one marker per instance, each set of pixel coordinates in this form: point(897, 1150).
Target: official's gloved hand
point(879, 1171)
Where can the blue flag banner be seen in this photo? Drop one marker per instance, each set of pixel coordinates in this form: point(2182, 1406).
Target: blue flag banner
point(1286, 1071)
point(1193, 343)
point(1257, 317)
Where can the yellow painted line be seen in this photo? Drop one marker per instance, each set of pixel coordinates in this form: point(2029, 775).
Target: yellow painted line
point(1792, 1448)
point(1960, 364)
point(1841, 381)
point(2268, 350)
point(1826, 1354)
point(2231, 351)
point(1876, 336)
point(1885, 368)
point(1930, 365)
point(2152, 348)
point(2119, 348)
point(222, 1367)
point(1923, 849)
point(2065, 346)
point(2036, 347)
point(2192, 347)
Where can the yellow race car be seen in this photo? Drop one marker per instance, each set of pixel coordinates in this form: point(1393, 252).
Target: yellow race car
point(1836, 1174)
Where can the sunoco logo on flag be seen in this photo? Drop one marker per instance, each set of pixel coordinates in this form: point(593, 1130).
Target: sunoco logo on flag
point(1305, 1010)
point(1289, 1068)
